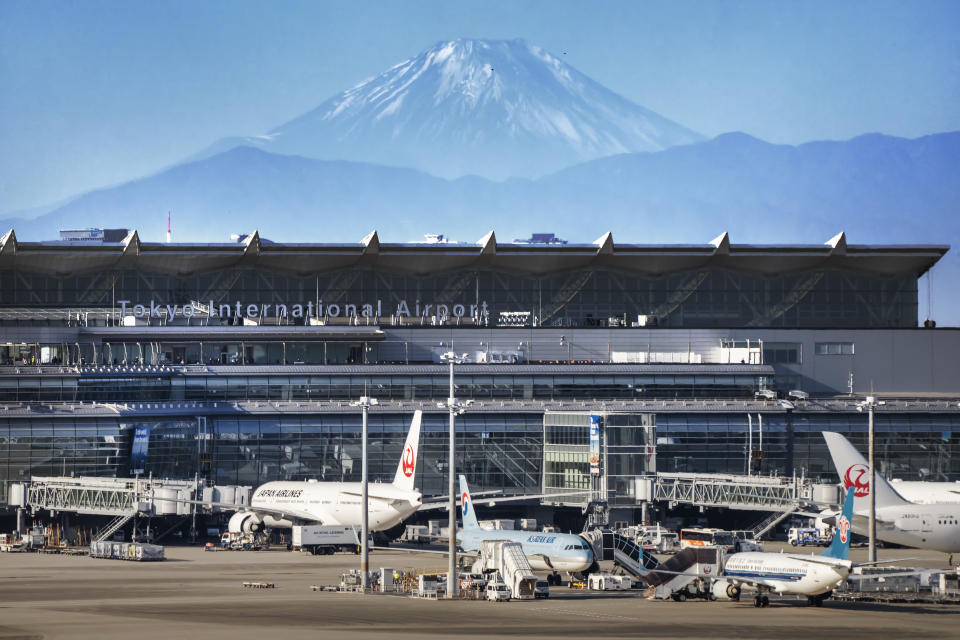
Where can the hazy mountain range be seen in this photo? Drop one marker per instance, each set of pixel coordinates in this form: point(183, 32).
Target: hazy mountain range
point(581, 160)
point(876, 187)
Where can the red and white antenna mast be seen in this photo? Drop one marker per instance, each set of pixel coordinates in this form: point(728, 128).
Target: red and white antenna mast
point(168, 227)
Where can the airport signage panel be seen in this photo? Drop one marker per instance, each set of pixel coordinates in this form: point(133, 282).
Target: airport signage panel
point(310, 309)
point(594, 445)
point(138, 452)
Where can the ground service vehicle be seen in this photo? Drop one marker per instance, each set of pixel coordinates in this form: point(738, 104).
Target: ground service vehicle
point(744, 540)
point(802, 536)
point(541, 589)
point(707, 538)
point(607, 582)
point(237, 541)
point(498, 592)
point(325, 540)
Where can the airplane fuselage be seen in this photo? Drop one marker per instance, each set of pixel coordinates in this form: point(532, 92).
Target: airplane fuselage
point(786, 573)
point(545, 551)
point(928, 492)
point(334, 503)
point(923, 526)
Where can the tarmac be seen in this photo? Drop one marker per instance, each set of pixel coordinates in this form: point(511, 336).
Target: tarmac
point(199, 595)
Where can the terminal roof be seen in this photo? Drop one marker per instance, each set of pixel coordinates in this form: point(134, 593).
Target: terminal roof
point(432, 258)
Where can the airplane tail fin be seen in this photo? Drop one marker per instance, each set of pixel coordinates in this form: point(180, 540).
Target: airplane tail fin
point(855, 472)
point(466, 506)
point(406, 470)
point(840, 547)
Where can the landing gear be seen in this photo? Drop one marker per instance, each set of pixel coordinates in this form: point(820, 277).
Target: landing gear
point(554, 579)
point(817, 601)
point(761, 601)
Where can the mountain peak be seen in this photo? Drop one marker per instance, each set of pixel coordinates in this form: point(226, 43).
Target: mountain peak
point(495, 108)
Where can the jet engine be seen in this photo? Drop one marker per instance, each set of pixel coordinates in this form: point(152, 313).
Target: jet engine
point(723, 590)
point(244, 522)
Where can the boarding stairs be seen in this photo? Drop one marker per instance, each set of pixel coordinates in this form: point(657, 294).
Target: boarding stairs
point(623, 551)
point(509, 560)
point(112, 527)
point(766, 525)
point(692, 565)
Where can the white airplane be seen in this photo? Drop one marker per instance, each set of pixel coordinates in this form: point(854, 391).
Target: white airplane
point(795, 574)
point(792, 573)
point(284, 504)
point(545, 551)
point(923, 526)
point(922, 492)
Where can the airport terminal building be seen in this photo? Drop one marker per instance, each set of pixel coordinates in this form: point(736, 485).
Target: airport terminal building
point(237, 363)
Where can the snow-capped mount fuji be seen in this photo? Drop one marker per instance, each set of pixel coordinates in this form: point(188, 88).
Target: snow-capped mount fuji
point(491, 108)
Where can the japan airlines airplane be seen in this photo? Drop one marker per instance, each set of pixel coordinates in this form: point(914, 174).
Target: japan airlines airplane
point(284, 504)
point(922, 492)
point(545, 551)
point(923, 526)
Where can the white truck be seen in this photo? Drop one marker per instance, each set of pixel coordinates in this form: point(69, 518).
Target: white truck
point(325, 539)
point(608, 582)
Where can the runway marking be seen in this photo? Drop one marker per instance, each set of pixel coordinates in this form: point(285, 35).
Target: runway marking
point(588, 615)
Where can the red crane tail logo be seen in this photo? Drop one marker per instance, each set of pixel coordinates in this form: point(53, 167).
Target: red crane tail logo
point(858, 477)
point(408, 461)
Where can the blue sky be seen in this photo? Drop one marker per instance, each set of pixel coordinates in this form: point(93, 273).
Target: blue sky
point(96, 93)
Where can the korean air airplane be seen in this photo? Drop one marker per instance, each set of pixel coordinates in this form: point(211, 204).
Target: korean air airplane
point(546, 551)
point(284, 504)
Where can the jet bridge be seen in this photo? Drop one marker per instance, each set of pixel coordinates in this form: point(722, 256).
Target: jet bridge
point(752, 493)
point(123, 499)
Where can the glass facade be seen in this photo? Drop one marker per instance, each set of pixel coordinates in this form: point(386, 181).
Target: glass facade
point(909, 446)
point(511, 452)
point(627, 447)
point(130, 386)
point(712, 297)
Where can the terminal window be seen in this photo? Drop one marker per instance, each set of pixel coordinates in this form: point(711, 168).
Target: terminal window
point(782, 353)
point(834, 349)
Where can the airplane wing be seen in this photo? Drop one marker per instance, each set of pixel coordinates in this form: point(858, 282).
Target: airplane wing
point(871, 564)
point(462, 554)
point(374, 494)
point(874, 576)
point(234, 506)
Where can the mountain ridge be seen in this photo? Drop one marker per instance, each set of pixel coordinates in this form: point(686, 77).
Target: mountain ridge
point(492, 108)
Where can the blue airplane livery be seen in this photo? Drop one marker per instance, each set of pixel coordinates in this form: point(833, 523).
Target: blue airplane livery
point(546, 552)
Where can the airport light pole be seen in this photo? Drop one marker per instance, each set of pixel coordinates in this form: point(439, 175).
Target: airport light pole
point(454, 408)
point(870, 403)
point(364, 403)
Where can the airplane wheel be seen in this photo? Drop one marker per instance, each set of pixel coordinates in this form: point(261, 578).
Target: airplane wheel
point(757, 602)
point(765, 601)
